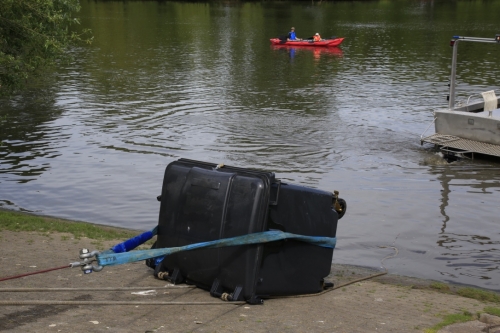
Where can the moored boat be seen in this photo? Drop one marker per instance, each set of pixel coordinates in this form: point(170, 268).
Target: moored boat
point(308, 42)
point(471, 127)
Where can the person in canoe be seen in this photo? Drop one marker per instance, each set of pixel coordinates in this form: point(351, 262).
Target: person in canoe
point(317, 37)
point(292, 36)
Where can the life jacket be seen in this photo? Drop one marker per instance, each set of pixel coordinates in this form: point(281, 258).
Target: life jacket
point(317, 38)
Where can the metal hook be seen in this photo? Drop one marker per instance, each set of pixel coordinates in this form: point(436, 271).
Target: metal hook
point(88, 258)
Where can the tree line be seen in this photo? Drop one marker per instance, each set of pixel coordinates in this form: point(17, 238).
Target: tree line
point(34, 34)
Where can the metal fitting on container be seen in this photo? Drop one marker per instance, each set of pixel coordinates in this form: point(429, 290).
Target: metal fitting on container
point(338, 204)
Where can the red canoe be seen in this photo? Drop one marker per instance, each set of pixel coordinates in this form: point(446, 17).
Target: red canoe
point(308, 42)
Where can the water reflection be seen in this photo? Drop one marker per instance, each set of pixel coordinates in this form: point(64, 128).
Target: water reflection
point(29, 139)
point(317, 52)
point(472, 249)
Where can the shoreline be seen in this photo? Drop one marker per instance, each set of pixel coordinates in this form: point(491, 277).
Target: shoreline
point(390, 278)
point(387, 303)
point(128, 232)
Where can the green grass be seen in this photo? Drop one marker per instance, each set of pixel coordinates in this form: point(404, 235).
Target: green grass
point(469, 292)
point(480, 295)
point(440, 286)
point(461, 318)
point(451, 319)
point(15, 221)
point(492, 311)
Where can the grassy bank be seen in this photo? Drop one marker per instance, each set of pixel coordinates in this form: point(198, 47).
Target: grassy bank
point(15, 221)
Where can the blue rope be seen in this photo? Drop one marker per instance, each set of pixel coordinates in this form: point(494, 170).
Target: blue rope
point(107, 258)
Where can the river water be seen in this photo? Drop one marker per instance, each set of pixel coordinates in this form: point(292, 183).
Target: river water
point(169, 80)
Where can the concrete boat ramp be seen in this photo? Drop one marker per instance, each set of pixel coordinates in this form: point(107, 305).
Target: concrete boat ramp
point(127, 298)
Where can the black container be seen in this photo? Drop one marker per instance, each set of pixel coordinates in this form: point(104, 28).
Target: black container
point(203, 202)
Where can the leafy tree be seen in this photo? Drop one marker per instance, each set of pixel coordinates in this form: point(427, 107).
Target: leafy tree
point(34, 34)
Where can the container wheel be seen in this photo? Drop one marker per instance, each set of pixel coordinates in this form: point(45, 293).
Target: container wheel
point(343, 205)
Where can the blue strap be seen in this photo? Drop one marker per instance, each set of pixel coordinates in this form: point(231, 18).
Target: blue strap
point(133, 242)
point(112, 259)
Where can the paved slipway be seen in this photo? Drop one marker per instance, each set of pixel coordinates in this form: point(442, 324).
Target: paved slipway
point(107, 301)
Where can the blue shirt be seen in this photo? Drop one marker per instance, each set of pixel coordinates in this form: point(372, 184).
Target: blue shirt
point(291, 35)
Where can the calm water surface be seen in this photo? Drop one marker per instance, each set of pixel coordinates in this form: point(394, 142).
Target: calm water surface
point(201, 81)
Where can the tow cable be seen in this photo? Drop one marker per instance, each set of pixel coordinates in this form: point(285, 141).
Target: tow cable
point(33, 273)
point(86, 265)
